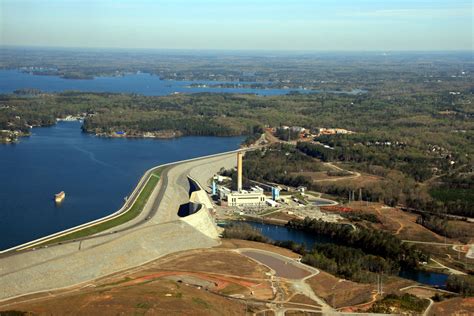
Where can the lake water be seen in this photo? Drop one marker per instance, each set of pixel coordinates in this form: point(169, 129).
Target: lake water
point(282, 233)
point(141, 83)
point(96, 174)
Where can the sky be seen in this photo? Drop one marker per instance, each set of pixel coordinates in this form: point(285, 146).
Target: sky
point(300, 25)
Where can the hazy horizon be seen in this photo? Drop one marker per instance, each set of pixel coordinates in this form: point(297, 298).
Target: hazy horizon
point(243, 51)
point(296, 26)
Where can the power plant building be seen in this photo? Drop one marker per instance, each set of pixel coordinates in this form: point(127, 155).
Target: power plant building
point(246, 199)
point(243, 198)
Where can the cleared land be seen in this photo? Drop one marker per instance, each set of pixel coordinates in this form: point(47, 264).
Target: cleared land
point(216, 281)
point(396, 221)
point(151, 297)
point(219, 261)
point(282, 267)
point(339, 293)
point(198, 282)
point(69, 263)
point(454, 306)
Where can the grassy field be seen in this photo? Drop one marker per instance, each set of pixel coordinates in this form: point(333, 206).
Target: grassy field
point(133, 212)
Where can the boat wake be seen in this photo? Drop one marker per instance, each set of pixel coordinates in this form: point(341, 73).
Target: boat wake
point(92, 157)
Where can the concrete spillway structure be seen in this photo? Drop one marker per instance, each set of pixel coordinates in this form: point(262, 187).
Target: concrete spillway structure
point(128, 245)
point(200, 207)
point(239, 171)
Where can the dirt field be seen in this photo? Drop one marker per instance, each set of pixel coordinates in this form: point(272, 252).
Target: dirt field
point(146, 298)
point(191, 283)
point(339, 293)
point(237, 243)
point(213, 281)
point(454, 306)
point(398, 222)
point(349, 181)
point(282, 268)
point(301, 313)
point(421, 292)
point(199, 282)
point(298, 298)
point(230, 263)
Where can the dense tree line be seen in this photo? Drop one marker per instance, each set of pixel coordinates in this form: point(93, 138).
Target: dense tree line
point(282, 163)
point(371, 241)
point(454, 193)
point(441, 225)
point(245, 232)
point(409, 160)
point(278, 163)
point(463, 284)
point(405, 139)
point(286, 134)
point(255, 134)
point(348, 259)
point(348, 262)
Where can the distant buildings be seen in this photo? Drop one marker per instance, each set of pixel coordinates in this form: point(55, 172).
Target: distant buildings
point(333, 131)
point(288, 133)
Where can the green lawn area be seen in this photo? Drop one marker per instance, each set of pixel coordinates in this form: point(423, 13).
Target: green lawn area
point(133, 212)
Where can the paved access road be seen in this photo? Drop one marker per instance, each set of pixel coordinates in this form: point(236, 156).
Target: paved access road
point(122, 247)
point(294, 272)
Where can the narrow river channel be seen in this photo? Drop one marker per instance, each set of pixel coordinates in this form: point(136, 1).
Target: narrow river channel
point(282, 233)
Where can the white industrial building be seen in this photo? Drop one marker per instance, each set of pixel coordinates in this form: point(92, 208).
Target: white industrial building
point(242, 198)
point(246, 199)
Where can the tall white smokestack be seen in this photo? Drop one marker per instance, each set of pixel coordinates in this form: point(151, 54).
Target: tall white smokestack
point(239, 171)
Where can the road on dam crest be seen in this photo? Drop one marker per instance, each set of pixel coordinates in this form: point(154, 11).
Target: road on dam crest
point(155, 232)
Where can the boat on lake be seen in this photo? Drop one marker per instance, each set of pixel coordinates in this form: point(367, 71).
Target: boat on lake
point(59, 197)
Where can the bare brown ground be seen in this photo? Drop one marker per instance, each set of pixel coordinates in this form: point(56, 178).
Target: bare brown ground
point(421, 292)
point(393, 285)
point(339, 293)
point(215, 261)
point(153, 298)
point(398, 222)
point(301, 313)
point(454, 306)
point(364, 180)
point(188, 283)
point(271, 138)
point(281, 216)
point(404, 226)
point(303, 299)
point(237, 243)
point(197, 282)
point(282, 268)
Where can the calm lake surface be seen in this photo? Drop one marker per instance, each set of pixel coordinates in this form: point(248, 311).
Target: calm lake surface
point(282, 233)
point(96, 174)
point(141, 83)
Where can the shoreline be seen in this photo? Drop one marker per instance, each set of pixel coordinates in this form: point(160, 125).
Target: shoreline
point(159, 135)
point(127, 246)
point(122, 210)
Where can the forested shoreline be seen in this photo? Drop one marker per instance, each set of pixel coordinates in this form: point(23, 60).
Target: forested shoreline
point(405, 140)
